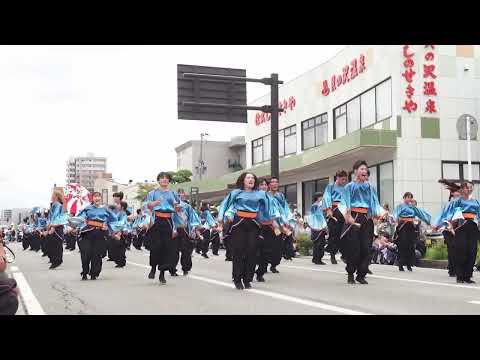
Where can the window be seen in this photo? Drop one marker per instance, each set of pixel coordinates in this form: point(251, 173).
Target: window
point(384, 100)
point(381, 177)
point(458, 171)
point(340, 116)
point(114, 188)
point(257, 151)
point(370, 107)
point(309, 189)
point(290, 192)
point(315, 131)
point(287, 144)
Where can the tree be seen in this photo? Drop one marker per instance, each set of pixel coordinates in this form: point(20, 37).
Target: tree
point(143, 190)
point(180, 176)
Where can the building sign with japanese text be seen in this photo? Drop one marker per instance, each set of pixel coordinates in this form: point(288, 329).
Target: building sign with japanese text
point(349, 72)
point(410, 105)
point(286, 104)
point(429, 77)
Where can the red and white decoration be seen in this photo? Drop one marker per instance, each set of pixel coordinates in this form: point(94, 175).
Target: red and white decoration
point(76, 198)
point(349, 72)
point(286, 104)
point(429, 76)
point(410, 105)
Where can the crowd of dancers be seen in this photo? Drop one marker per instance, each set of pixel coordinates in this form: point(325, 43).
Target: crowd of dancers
point(255, 225)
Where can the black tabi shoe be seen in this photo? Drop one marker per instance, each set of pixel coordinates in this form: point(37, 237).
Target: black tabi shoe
point(400, 268)
point(119, 266)
point(260, 278)
point(452, 274)
point(350, 280)
point(321, 263)
point(333, 260)
point(161, 278)
point(198, 251)
point(274, 270)
point(185, 273)
point(174, 274)
point(459, 281)
point(228, 259)
point(247, 285)
point(205, 256)
point(409, 268)
point(92, 277)
point(44, 255)
point(151, 275)
point(215, 254)
point(470, 281)
point(84, 277)
point(361, 280)
point(369, 272)
point(238, 285)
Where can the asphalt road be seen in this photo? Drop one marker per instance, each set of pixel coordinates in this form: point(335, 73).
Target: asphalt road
point(300, 288)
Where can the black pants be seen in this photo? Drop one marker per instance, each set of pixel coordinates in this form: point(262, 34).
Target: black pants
point(264, 251)
point(43, 244)
point(357, 246)
point(137, 241)
point(406, 244)
point(205, 243)
point(335, 244)
point(184, 250)
point(450, 241)
point(108, 251)
point(288, 249)
point(466, 238)
point(227, 240)
point(92, 246)
point(162, 248)
point(244, 248)
point(54, 243)
point(318, 239)
point(35, 242)
point(215, 240)
point(26, 241)
point(117, 250)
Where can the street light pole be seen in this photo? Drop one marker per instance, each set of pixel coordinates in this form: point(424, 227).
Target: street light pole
point(469, 150)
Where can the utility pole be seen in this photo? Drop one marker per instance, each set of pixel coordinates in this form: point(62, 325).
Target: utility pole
point(200, 162)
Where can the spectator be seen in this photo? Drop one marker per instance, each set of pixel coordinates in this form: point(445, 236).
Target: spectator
point(8, 287)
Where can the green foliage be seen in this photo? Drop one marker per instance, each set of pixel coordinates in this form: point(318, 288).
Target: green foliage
point(143, 190)
point(180, 176)
point(437, 252)
point(304, 244)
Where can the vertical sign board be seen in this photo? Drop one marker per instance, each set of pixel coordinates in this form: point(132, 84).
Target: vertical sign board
point(211, 91)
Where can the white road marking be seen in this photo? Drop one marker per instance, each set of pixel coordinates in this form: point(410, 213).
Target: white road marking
point(474, 302)
point(30, 302)
point(387, 277)
point(13, 268)
point(275, 295)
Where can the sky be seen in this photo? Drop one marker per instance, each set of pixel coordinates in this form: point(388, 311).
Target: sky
point(114, 101)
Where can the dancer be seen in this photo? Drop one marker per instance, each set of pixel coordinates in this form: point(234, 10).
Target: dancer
point(361, 203)
point(455, 193)
point(269, 242)
point(462, 216)
point(319, 228)
point(54, 238)
point(163, 204)
point(186, 222)
point(41, 230)
point(285, 244)
point(93, 236)
point(118, 236)
point(208, 226)
point(332, 197)
point(405, 215)
point(241, 208)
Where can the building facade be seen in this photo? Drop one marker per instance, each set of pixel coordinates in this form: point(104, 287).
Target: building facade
point(107, 187)
point(84, 170)
point(399, 107)
point(219, 157)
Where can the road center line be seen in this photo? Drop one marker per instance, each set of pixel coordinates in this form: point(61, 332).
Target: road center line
point(275, 295)
point(387, 277)
point(30, 302)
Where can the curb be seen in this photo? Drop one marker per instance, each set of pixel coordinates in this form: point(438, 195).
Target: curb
point(434, 264)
